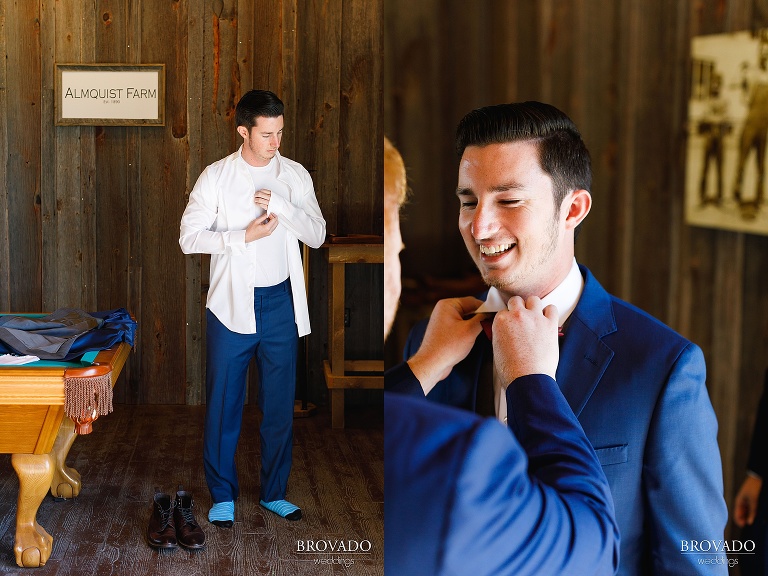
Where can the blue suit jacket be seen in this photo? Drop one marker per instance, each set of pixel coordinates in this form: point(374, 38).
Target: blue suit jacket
point(462, 498)
point(638, 390)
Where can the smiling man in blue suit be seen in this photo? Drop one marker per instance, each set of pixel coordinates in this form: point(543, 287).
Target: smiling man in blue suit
point(462, 494)
point(637, 387)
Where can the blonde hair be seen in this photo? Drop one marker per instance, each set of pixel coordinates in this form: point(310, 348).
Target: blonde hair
point(395, 187)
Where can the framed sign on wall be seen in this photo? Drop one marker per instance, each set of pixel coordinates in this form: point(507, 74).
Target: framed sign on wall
point(110, 94)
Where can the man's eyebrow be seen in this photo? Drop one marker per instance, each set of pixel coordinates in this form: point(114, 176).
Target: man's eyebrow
point(498, 188)
point(507, 186)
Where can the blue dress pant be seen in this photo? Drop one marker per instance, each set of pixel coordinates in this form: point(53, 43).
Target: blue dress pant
point(274, 345)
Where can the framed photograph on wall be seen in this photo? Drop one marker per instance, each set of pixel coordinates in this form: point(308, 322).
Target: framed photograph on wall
point(727, 132)
point(110, 94)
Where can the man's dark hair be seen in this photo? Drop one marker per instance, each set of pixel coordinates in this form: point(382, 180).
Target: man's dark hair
point(257, 103)
point(562, 153)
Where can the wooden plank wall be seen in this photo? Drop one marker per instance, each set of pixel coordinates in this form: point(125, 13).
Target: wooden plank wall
point(89, 216)
point(620, 69)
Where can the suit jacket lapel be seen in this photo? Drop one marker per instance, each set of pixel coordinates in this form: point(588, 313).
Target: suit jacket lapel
point(584, 356)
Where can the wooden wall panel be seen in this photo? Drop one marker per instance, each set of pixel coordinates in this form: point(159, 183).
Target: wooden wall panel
point(163, 172)
point(621, 70)
point(319, 46)
point(421, 87)
point(22, 163)
point(258, 51)
point(651, 229)
point(195, 297)
point(218, 81)
point(361, 177)
point(70, 224)
point(135, 379)
point(88, 237)
point(48, 156)
point(502, 56)
point(360, 167)
point(289, 46)
point(557, 37)
point(5, 245)
point(530, 56)
point(595, 93)
point(89, 216)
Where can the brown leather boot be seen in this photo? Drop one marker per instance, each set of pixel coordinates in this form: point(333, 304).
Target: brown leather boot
point(161, 532)
point(188, 531)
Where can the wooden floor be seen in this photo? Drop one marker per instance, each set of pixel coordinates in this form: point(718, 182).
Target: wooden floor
point(337, 479)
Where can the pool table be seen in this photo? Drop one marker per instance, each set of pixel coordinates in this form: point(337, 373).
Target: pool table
point(35, 430)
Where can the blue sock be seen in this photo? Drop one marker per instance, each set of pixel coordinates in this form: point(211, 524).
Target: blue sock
point(222, 514)
point(283, 508)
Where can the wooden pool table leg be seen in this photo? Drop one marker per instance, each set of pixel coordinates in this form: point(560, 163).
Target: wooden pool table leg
point(66, 481)
point(33, 544)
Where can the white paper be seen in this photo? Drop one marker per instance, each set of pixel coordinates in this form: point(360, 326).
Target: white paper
point(12, 360)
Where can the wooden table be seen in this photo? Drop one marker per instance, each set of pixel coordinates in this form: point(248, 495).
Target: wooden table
point(35, 431)
point(340, 373)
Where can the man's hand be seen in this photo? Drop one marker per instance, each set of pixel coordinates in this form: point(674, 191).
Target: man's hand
point(447, 341)
point(261, 197)
point(745, 506)
point(525, 339)
point(262, 226)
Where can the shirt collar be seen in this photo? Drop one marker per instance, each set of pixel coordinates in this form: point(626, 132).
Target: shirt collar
point(565, 296)
point(240, 157)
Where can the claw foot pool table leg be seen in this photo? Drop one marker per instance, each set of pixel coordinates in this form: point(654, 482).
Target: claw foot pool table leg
point(66, 481)
point(33, 544)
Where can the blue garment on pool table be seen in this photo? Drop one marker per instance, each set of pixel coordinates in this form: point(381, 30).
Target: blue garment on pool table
point(65, 334)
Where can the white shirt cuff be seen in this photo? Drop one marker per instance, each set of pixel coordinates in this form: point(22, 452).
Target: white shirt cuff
point(276, 204)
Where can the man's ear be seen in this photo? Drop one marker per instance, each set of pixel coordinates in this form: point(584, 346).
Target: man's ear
point(576, 206)
point(243, 131)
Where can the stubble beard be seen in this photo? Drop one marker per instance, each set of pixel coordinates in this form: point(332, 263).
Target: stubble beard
point(517, 282)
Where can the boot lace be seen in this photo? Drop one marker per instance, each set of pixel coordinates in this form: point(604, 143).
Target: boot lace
point(186, 513)
point(165, 516)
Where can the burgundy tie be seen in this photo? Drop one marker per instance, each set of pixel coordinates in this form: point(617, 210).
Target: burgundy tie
point(487, 328)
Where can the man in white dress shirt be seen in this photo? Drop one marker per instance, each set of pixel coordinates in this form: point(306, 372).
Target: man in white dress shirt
point(249, 211)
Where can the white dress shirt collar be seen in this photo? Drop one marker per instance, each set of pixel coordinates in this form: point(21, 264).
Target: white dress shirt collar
point(565, 296)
